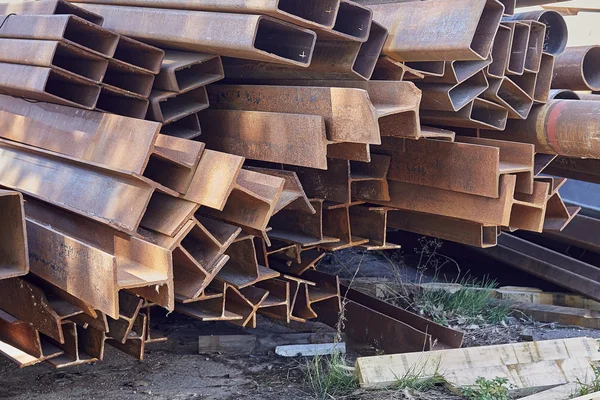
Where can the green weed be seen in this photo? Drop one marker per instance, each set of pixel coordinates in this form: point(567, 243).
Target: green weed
point(593, 387)
point(328, 377)
point(484, 389)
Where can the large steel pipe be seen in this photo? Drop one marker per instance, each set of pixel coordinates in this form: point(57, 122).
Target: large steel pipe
point(556, 28)
point(254, 37)
point(564, 127)
point(578, 68)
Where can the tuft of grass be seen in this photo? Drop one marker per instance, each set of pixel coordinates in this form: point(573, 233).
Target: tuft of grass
point(485, 389)
point(593, 387)
point(329, 377)
point(470, 304)
point(418, 383)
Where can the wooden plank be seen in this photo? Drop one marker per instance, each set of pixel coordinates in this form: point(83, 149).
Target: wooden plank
point(561, 315)
point(310, 350)
point(253, 344)
point(561, 392)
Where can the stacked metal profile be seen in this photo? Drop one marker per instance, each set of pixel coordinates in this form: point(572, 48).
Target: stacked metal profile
point(312, 143)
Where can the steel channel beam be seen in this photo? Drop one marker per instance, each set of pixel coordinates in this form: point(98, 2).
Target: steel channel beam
point(309, 14)
point(558, 215)
point(49, 85)
point(452, 97)
point(113, 261)
point(556, 28)
point(564, 127)
point(128, 79)
point(295, 139)
point(169, 107)
point(429, 40)
point(547, 264)
point(292, 196)
point(56, 55)
point(184, 71)
point(117, 102)
point(219, 33)
point(371, 222)
point(86, 135)
point(582, 231)
point(479, 114)
point(332, 59)
point(14, 257)
point(65, 28)
point(519, 47)
point(49, 7)
point(167, 214)
point(185, 128)
point(506, 93)
point(349, 114)
point(578, 68)
point(139, 55)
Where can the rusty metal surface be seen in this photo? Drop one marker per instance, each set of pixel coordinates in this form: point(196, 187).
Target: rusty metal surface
point(506, 93)
point(184, 71)
point(480, 114)
point(371, 222)
point(128, 79)
point(547, 264)
point(318, 289)
point(500, 52)
point(429, 39)
point(574, 168)
point(120, 103)
point(528, 211)
point(519, 47)
point(292, 196)
point(54, 54)
point(526, 82)
point(562, 127)
point(139, 55)
point(348, 112)
point(352, 22)
point(21, 343)
point(129, 309)
point(86, 135)
point(565, 94)
point(558, 215)
point(286, 264)
point(14, 257)
point(81, 346)
point(49, 7)
point(47, 84)
point(136, 342)
point(224, 34)
point(167, 214)
point(209, 192)
point(185, 128)
point(446, 228)
point(578, 68)
point(556, 28)
point(277, 303)
point(336, 223)
point(66, 28)
point(310, 13)
point(113, 261)
point(535, 47)
point(582, 231)
point(295, 139)
point(388, 69)
point(544, 79)
point(459, 71)
point(452, 97)
point(168, 107)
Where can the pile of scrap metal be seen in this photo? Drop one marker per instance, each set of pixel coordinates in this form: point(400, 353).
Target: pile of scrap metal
point(313, 144)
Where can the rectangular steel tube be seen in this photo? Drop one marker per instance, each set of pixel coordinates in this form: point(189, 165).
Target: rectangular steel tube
point(141, 55)
point(452, 97)
point(122, 77)
point(169, 107)
point(183, 71)
point(479, 114)
point(14, 258)
point(224, 34)
point(49, 7)
point(116, 102)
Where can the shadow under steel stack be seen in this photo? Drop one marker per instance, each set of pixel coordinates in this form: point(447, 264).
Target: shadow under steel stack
point(132, 180)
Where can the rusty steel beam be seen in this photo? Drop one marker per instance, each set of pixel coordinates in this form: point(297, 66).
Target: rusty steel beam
point(129, 309)
point(304, 229)
point(21, 343)
point(528, 211)
point(49, 85)
point(526, 82)
point(113, 261)
point(547, 264)
point(136, 342)
point(317, 289)
point(309, 14)
point(388, 69)
point(298, 295)
point(544, 79)
point(184, 71)
point(224, 34)
point(209, 192)
point(506, 93)
point(582, 231)
point(127, 79)
point(445, 228)
point(56, 55)
point(371, 222)
point(81, 346)
point(458, 71)
point(185, 128)
point(479, 114)
point(558, 214)
point(174, 162)
point(500, 52)
point(14, 258)
point(574, 168)
point(49, 7)
point(292, 196)
point(242, 269)
point(562, 127)
point(332, 59)
point(449, 165)
point(211, 305)
point(277, 303)
point(578, 69)
point(69, 29)
point(86, 135)
point(556, 28)
point(290, 264)
point(352, 22)
point(535, 47)
point(429, 40)
point(139, 55)
point(117, 102)
point(519, 47)
point(337, 223)
point(168, 107)
point(452, 97)
point(150, 335)
point(349, 114)
point(295, 139)
point(350, 151)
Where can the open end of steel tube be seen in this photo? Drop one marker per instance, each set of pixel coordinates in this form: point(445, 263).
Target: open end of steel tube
point(354, 20)
point(487, 28)
point(94, 38)
point(591, 68)
point(369, 51)
point(320, 11)
point(83, 93)
point(285, 40)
